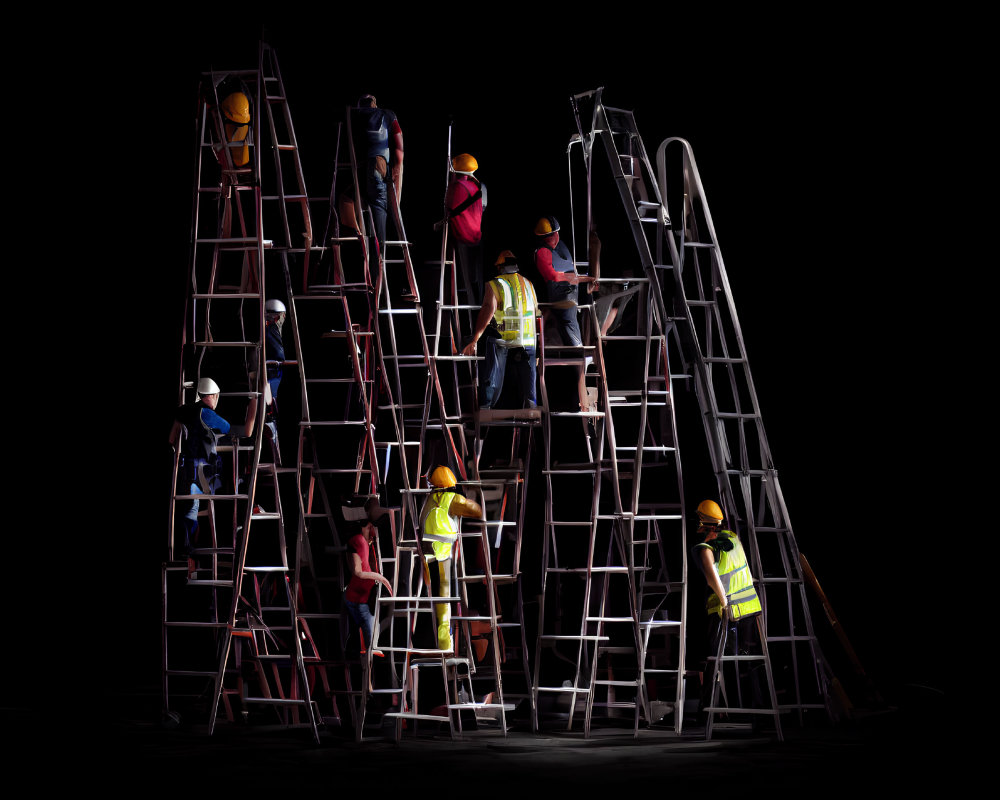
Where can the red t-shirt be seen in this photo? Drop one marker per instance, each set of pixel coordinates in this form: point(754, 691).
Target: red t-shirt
point(358, 589)
point(467, 225)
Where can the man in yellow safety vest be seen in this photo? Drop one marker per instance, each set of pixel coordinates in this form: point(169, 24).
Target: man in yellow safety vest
point(438, 534)
point(506, 323)
point(733, 606)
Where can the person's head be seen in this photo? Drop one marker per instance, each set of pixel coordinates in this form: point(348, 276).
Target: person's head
point(464, 164)
point(709, 518)
point(369, 531)
point(547, 230)
point(274, 311)
point(506, 263)
point(367, 101)
point(208, 392)
point(442, 478)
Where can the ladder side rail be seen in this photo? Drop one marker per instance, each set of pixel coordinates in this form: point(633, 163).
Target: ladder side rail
point(242, 542)
point(299, 174)
point(264, 58)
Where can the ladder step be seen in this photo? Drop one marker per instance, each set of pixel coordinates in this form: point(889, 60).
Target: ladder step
point(563, 689)
point(727, 710)
point(182, 624)
point(275, 701)
point(414, 715)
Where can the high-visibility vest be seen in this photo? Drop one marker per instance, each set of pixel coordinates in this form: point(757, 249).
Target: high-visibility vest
point(516, 309)
point(734, 572)
point(437, 525)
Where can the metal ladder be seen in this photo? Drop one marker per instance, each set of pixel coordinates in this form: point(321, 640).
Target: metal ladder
point(503, 485)
point(642, 428)
point(688, 268)
point(574, 541)
point(220, 319)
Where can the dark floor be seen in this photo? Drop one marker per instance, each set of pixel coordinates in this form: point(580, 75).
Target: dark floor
point(899, 746)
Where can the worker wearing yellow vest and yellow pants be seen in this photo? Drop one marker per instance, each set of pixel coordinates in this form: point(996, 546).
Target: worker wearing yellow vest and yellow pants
point(439, 533)
point(507, 318)
point(733, 607)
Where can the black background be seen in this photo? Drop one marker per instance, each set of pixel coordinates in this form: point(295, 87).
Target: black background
point(808, 135)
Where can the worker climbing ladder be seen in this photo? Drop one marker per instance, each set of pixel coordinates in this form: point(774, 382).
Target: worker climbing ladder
point(251, 612)
point(462, 671)
point(675, 239)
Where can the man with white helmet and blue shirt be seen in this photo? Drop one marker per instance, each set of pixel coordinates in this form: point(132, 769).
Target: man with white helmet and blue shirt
point(200, 458)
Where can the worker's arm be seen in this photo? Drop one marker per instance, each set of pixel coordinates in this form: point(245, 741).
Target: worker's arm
point(463, 507)
point(175, 434)
point(486, 312)
point(364, 575)
point(712, 574)
point(397, 159)
point(543, 263)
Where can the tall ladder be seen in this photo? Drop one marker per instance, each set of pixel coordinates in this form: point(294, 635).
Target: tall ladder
point(689, 269)
point(642, 440)
point(588, 605)
point(345, 401)
point(462, 673)
point(251, 582)
point(503, 483)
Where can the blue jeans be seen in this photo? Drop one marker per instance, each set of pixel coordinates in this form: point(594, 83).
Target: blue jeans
point(376, 195)
point(191, 521)
point(495, 365)
point(362, 616)
point(213, 484)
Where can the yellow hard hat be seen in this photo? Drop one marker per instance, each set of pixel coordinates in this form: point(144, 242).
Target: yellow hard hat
point(443, 478)
point(546, 225)
point(236, 108)
point(709, 511)
point(465, 164)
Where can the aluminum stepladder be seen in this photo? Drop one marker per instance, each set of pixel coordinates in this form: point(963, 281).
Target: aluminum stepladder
point(347, 399)
point(397, 347)
point(403, 389)
point(706, 332)
point(642, 442)
point(482, 617)
point(577, 543)
point(250, 582)
point(712, 343)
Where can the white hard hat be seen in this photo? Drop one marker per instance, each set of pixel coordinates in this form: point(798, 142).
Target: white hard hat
point(207, 386)
point(274, 307)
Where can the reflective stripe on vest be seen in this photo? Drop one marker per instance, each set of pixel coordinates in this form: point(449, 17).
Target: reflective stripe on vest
point(516, 309)
point(734, 572)
point(437, 525)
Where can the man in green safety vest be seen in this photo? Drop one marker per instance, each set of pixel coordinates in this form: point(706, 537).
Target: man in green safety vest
point(438, 535)
point(506, 323)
